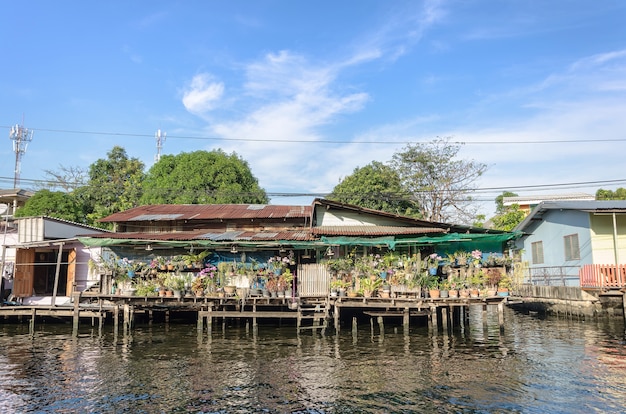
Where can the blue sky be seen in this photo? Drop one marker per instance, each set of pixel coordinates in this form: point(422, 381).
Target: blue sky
point(307, 91)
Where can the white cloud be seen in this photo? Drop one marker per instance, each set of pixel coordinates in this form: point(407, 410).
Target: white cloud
point(202, 94)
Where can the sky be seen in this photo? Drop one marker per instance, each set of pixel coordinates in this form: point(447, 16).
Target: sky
point(307, 91)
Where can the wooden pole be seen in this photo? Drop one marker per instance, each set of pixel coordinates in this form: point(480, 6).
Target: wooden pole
point(337, 311)
point(444, 319)
point(501, 315)
point(433, 318)
point(56, 274)
point(406, 317)
point(116, 318)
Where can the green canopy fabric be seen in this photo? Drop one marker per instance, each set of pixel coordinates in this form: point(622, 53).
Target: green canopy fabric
point(388, 241)
point(444, 242)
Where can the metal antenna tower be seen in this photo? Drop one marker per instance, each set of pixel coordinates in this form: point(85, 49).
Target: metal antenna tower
point(21, 137)
point(160, 139)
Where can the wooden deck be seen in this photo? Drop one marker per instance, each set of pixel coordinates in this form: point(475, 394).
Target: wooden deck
point(309, 313)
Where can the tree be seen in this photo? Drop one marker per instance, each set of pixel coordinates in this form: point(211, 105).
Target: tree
point(56, 204)
point(376, 186)
point(201, 177)
point(67, 178)
point(439, 184)
point(619, 194)
point(507, 217)
point(115, 184)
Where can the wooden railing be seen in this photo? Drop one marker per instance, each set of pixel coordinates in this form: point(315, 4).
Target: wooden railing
point(599, 276)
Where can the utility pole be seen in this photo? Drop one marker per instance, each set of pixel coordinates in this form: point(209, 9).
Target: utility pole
point(160, 139)
point(20, 137)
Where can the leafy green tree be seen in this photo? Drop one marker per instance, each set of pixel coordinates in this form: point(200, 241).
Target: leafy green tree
point(507, 217)
point(619, 194)
point(202, 177)
point(115, 184)
point(376, 186)
point(56, 204)
point(439, 184)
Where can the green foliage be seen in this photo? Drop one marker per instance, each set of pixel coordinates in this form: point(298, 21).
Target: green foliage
point(376, 186)
point(500, 207)
point(439, 183)
point(509, 218)
point(619, 194)
point(201, 177)
point(56, 204)
point(114, 185)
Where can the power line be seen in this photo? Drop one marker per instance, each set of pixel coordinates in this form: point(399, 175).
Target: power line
point(303, 141)
point(52, 183)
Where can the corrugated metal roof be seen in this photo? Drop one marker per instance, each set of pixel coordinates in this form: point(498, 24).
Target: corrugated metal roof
point(227, 236)
point(209, 212)
point(372, 230)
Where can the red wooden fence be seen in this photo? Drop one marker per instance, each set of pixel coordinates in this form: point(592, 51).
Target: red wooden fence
point(599, 276)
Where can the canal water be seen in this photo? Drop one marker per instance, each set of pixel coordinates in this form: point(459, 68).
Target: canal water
point(536, 365)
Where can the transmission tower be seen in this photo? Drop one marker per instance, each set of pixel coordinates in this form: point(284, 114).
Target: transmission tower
point(160, 139)
point(21, 137)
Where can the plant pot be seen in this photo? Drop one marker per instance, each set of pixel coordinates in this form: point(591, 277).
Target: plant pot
point(352, 294)
point(432, 271)
point(229, 290)
point(464, 293)
point(474, 293)
point(434, 293)
point(444, 293)
point(453, 293)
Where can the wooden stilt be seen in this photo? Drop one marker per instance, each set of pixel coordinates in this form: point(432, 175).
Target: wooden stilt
point(381, 325)
point(116, 318)
point(433, 318)
point(75, 314)
point(31, 323)
point(354, 325)
point(501, 315)
point(200, 322)
point(126, 318)
point(444, 319)
point(336, 315)
point(406, 317)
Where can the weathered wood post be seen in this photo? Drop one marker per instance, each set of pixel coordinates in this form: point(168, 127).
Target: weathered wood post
point(31, 323)
point(75, 314)
point(406, 316)
point(381, 325)
point(444, 319)
point(336, 315)
point(116, 318)
point(501, 315)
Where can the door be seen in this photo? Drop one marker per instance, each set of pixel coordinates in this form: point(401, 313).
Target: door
point(24, 273)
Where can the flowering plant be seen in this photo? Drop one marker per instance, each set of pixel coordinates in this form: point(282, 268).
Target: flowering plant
point(477, 256)
point(433, 260)
point(278, 262)
point(209, 270)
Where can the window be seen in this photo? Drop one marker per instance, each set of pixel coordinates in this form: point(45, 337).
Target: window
point(537, 252)
point(572, 249)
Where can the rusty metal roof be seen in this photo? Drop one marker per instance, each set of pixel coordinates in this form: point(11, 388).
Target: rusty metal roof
point(372, 230)
point(225, 236)
point(167, 212)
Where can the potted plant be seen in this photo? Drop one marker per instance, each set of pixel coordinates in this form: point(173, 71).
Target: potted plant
point(432, 284)
point(504, 286)
point(369, 286)
point(433, 263)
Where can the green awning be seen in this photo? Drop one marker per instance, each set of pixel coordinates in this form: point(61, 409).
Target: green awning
point(388, 241)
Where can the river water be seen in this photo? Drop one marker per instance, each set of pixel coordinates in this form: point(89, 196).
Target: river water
point(535, 365)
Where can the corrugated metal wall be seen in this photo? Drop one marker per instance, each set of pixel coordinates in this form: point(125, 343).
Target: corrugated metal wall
point(313, 280)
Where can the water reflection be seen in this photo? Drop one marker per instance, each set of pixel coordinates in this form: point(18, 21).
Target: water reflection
point(534, 365)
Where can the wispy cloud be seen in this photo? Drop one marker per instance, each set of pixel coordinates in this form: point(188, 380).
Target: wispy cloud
point(202, 93)
point(291, 97)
